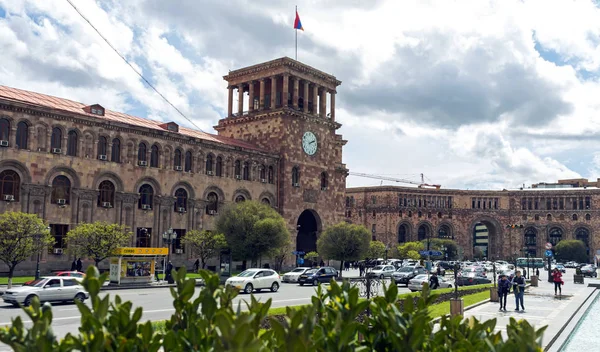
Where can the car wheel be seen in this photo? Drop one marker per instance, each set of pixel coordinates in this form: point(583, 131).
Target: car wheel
point(449, 286)
point(80, 297)
point(381, 276)
point(413, 290)
point(274, 287)
point(28, 300)
point(16, 305)
point(315, 282)
point(302, 284)
point(248, 289)
point(258, 289)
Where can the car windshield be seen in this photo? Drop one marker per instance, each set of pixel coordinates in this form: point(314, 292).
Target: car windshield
point(247, 273)
point(420, 277)
point(406, 269)
point(36, 283)
point(299, 270)
point(378, 267)
point(311, 271)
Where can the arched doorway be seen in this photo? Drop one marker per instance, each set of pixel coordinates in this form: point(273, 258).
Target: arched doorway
point(403, 233)
point(423, 232)
point(555, 235)
point(445, 232)
point(531, 241)
point(583, 234)
point(308, 226)
point(485, 235)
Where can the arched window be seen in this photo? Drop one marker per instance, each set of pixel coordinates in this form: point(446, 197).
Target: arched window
point(219, 166)
point(295, 177)
point(240, 198)
point(324, 181)
point(142, 154)
point(4, 130)
point(154, 156)
point(271, 176)
point(588, 217)
point(555, 235)
point(116, 151)
point(238, 169)
point(209, 164)
point(530, 237)
point(102, 143)
point(188, 162)
point(266, 201)
point(72, 143)
point(146, 196)
point(177, 160)
point(549, 217)
point(574, 217)
point(582, 234)
point(445, 232)
point(263, 174)
point(402, 233)
point(61, 190)
point(246, 171)
point(212, 205)
point(181, 196)
point(106, 197)
point(56, 139)
point(22, 135)
point(10, 185)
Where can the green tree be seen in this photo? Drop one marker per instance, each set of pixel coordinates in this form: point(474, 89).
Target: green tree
point(436, 244)
point(571, 250)
point(312, 256)
point(97, 240)
point(205, 244)
point(21, 236)
point(376, 250)
point(405, 248)
point(252, 230)
point(280, 254)
point(344, 242)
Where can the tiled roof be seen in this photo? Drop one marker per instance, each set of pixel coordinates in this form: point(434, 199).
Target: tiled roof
point(61, 104)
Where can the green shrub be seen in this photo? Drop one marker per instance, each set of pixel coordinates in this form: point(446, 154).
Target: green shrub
point(335, 321)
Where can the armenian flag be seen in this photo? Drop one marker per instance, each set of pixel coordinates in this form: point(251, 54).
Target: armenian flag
point(297, 23)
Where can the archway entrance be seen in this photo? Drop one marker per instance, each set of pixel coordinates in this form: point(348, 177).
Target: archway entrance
point(308, 226)
point(403, 233)
point(423, 232)
point(484, 235)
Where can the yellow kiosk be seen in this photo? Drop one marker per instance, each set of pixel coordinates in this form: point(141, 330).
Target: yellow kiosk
point(135, 265)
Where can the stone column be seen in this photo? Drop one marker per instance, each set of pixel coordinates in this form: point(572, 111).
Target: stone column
point(295, 92)
point(323, 103)
point(251, 96)
point(230, 102)
point(332, 107)
point(273, 91)
point(306, 96)
point(315, 99)
point(240, 99)
point(261, 101)
point(286, 89)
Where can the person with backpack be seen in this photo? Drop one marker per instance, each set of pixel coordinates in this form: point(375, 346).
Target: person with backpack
point(518, 284)
point(558, 281)
point(503, 291)
point(434, 282)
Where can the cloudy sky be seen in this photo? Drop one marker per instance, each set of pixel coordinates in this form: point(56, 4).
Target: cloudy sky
point(474, 94)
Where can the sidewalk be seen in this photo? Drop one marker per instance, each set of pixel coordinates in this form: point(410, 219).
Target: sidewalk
point(542, 307)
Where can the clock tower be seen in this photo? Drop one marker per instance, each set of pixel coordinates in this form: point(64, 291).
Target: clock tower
point(288, 108)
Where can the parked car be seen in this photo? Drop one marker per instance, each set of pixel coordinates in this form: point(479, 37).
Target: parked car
point(294, 275)
point(416, 283)
point(47, 289)
point(445, 265)
point(472, 276)
point(317, 275)
point(403, 275)
point(77, 275)
point(382, 271)
point(589, 270)
point(255, 279)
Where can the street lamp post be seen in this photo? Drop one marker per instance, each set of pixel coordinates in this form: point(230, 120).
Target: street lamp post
point(38, 237)
point(387, 248)
point(168, 238)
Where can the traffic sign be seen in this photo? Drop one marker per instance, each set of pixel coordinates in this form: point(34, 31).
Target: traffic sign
point(423, 252)
point(548, 253)
point(548, 245)
point(432, 253)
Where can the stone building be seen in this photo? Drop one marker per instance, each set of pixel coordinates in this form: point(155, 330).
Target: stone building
point(72, 163)
point(504, 224)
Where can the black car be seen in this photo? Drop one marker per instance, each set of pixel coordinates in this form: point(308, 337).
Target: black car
point(472, 276)
point(403, 275)
point(317, 275)
point(589, 270)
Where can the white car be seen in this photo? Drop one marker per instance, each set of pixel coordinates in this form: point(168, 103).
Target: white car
point(382, 271)
point(416, 283)
point(293, 275)
point(255, 279)
point(47, 289)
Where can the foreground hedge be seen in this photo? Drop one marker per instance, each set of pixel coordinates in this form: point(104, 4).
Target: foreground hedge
point(210, 323)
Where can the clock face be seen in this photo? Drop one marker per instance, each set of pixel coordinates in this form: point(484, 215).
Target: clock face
point(309, 143)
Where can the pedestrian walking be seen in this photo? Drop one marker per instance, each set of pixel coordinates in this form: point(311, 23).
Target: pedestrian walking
point(503, 291)
point(361, 269)
point(74, 265)
point(196, 265)
point(558, 281)
point(79, 265)
point(434, 282)
point(169, 276)
point(518, 284)
point(537, 272)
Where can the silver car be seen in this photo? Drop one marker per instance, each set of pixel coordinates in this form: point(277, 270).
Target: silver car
point(47, 289)
point(382, 271)
point(416, 283)
point(293, 275)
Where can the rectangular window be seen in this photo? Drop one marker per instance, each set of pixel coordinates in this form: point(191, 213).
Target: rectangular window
point(373, 228)
point(478, 204)
point(574, 203)
point(143, 237)
point(523, 203)
point(548, 205)
point(450, 202)
point(59, 232)
point(561, 204)
point(178, 247)
point(536, 205)
point(267, 101)
point(496, 203)
point(529, 204)
point(256, 103)
point(373, 199)
point(472, 203)
point(581, 203)
point(588, 204)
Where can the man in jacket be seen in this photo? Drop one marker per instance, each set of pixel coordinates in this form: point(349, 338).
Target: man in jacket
point(518, 284)
point(503, 290)
point(434, 282)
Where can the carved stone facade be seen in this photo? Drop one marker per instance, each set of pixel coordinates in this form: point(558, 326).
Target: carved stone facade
point(73, 163)
point(516, 222)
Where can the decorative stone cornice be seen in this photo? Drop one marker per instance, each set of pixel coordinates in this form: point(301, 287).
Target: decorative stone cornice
point(85, 194)
point(129, 198)
point(258, 115)
point(37, 190)
point(165, 200)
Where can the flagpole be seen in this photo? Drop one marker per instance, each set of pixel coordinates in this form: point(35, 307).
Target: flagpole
point(296, 29)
